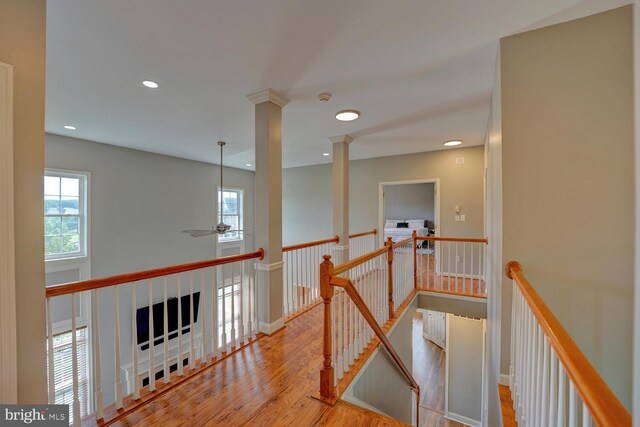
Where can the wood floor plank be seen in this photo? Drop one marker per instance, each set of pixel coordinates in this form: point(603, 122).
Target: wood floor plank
point(266, 383)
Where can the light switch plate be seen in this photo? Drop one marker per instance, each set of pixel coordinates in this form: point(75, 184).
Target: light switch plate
point(463, 217)
point(457, 217)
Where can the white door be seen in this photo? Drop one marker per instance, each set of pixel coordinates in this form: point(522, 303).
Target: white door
point(434, 327)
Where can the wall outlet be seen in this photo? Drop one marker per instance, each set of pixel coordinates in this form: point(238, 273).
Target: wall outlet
point(463, 217)
point(457, 258)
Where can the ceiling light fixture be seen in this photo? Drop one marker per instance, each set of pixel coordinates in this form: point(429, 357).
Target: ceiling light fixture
point(452, 143)
point(248, 165)
point(150, 84)
point(326, 154)
point(347, 115)
point(70, 127)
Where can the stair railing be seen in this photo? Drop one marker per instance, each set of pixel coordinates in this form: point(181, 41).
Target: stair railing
point(213, 306)
point(355, 306)
point(551, 380)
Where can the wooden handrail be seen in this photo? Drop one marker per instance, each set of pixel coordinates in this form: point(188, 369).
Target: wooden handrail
point(402, 242)
point(603, 405)
point(335, 239)
point(346, 284)
point(360, 260)
point(453, 239)
point(86, 285)
point(365, 233)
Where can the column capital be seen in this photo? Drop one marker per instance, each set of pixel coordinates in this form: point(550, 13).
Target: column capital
point(268, 95)
point(346, 139)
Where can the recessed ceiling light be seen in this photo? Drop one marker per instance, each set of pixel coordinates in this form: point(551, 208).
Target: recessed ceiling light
point(150, 84)
point(70, 127)
point(347, 115)
point(248, 165)
point(326, 154)
point(453, 143)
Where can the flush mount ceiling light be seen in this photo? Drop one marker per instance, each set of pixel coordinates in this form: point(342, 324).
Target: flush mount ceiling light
point(70, 127)
point(452, 143)
point(347, 115)
point(326, 154)
point(248, 165)
point(150, 84)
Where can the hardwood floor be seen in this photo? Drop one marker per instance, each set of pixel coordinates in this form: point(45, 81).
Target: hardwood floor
point(506, 405)
point(429, 372)
point(268, 383)
point(428, 280)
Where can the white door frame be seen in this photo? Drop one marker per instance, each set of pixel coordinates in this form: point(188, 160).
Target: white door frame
point(8, 326)
point(436, 209)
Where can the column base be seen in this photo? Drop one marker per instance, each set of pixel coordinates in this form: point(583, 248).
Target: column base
point(271, 328)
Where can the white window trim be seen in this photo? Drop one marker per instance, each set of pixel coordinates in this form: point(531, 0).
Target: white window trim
point(85, 219)
point(239, 240)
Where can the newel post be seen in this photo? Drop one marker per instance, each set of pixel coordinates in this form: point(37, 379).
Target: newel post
point(414, 235)
point(327, 384)
point(389, 245)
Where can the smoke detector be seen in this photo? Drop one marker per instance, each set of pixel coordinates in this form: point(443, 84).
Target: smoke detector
point(324, 96)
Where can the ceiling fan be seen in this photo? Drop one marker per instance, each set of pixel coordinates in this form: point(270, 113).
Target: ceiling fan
point(221, 228)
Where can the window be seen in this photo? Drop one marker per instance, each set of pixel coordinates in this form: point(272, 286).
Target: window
point(63, 370)
point(230, 207)
point(64, 215)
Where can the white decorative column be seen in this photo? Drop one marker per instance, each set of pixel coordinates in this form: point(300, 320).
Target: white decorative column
point(341, 196)
point(268, 207)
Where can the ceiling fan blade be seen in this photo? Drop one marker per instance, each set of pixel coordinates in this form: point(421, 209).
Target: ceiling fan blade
point(199, 233)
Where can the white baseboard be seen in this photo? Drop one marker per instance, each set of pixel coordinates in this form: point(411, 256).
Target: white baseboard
point(462, 419)
point(273, 327)
point(504, 380)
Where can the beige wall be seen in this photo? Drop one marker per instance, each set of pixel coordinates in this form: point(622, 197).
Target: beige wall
point(567, 132)
point(306, 190)
point(22, 45)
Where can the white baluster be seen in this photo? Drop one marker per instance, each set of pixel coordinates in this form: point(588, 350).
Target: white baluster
point(134, 333)
point(152, 371)
point(215, 331)
point(74, 364)
point(50, 362)
point(165, 334)
point(204, 358)
point(241, 303)
point(573, 403)
point(233, 307)
point(544, 392)
point(553, 387)
point(180, 326)
point(562, 397)
point(192, 333)
point(586, 417)
point(224, 341)
point(97, 374)
point(116, 318)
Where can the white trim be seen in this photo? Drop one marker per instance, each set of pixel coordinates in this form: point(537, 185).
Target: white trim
point(341, 247)
point(346, 139)
point(504, 380)
point(446, 363)
point(269, 267)
point(268, 95)
point(462, 419)
point(636, 311)
point(271, 328)
point(85, 221)
point(453, 296)
point(436, 209)
point(8, 324)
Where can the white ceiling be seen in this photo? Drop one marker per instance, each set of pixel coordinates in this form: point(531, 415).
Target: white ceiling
point(420, 71)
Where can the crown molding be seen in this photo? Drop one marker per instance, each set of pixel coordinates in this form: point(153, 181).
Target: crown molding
point(346, 139)
point(269, 95)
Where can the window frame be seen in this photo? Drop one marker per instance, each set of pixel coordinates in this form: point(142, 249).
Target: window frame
point(83, 214)
point(240, 215)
